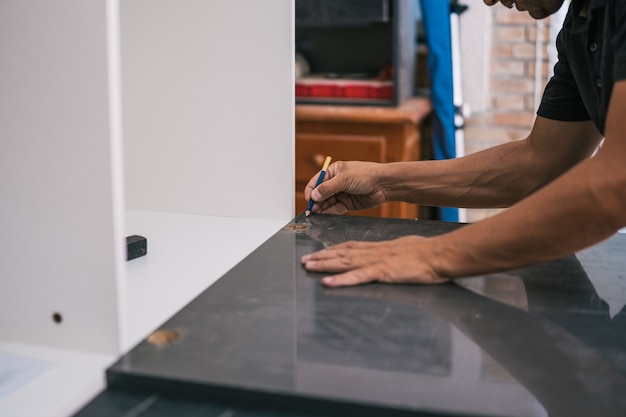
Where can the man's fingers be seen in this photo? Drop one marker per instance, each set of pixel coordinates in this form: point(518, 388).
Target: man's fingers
point(329, 265)
point(396, 261)
point(340, 258)
point(356, 277)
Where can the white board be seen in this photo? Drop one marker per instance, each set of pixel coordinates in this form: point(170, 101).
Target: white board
point(61, 208)
point(209, 107)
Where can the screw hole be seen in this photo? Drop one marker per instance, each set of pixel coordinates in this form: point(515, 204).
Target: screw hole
point(57, 318)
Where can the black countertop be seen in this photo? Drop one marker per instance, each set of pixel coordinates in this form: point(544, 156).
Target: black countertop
point(269, 339)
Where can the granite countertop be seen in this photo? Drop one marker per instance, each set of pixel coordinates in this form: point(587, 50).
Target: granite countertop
point(536, 341)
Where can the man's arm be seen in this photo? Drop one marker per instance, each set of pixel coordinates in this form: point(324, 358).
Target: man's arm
point(585, 205)
point(499, 176)
point(495, 177)
point(582, 207)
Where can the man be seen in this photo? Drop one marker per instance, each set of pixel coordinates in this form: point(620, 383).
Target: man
point(561, 198)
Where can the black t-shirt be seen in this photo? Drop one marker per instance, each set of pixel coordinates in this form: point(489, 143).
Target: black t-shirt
point(591, 58)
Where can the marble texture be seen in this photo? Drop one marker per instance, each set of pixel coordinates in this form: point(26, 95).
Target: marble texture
point(536, 341)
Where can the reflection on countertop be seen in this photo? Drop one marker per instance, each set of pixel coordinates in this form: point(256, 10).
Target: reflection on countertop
point(535, 341)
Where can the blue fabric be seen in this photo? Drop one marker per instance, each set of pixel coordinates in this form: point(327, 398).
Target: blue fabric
point(436, 20)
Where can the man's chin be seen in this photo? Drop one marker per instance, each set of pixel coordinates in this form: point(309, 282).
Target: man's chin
point(539, 14)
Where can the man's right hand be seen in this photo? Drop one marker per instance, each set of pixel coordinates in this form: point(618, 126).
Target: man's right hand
point(347, 186)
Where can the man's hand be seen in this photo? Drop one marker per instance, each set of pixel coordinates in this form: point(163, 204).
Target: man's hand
point(347, 186)
point(409, 259)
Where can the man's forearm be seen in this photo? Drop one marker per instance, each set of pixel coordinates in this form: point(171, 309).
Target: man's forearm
point(496, 177)
point(584, 206)
point(581, 208)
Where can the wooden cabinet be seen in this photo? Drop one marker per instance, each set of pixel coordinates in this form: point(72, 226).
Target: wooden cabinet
point(379, 134)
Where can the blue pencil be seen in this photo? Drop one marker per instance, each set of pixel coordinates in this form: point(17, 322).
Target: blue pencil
point(319, 181)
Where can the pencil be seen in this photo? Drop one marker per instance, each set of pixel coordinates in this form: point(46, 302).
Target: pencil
point(319, 181)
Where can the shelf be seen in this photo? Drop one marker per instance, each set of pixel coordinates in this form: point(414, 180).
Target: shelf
point(186, 255)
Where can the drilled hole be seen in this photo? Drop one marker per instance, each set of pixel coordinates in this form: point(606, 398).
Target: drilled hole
point(164, 337)
point(297, 227)
point(57, 318)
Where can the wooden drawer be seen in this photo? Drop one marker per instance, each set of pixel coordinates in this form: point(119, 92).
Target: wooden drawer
point(367, 133)
point(311, 149)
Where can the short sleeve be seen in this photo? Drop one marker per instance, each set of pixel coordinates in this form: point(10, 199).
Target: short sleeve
point(561, 98)
point(619, 41)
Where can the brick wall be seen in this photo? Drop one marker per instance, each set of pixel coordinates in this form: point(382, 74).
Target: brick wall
point(514, 88)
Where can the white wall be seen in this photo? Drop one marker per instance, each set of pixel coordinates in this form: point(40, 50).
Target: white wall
point(476, 30)
point(208, 106)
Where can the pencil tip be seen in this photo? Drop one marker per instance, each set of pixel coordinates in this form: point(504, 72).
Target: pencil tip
point(307, 213)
